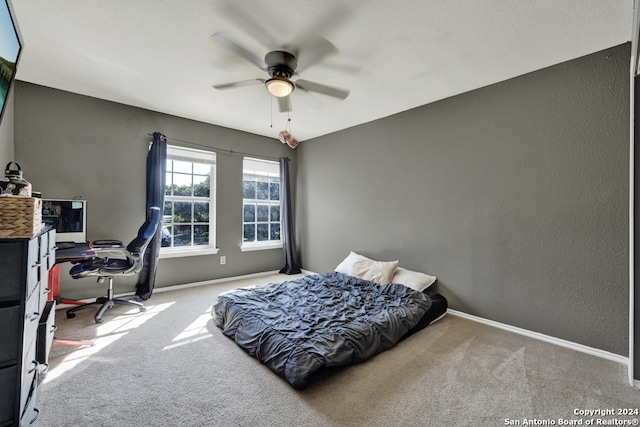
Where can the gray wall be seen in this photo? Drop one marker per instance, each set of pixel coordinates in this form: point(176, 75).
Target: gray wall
point(71, 145)
point(515, 196)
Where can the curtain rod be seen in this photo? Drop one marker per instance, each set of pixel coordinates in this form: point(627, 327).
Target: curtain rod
point(239, 153)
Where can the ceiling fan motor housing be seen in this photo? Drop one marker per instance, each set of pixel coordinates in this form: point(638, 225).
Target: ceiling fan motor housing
point(280, 63)
point(281, 66)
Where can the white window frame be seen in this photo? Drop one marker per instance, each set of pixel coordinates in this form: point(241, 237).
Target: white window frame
point(260, 168)
point(202, 157)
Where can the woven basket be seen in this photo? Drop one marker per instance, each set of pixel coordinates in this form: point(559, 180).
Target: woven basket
point(20, 217)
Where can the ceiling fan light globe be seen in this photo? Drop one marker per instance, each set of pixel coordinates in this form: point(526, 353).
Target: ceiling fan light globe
point(279, 87)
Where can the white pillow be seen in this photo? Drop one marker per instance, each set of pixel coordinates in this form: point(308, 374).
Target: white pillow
point(346, 266)
point(379, 272)
point(413, 279)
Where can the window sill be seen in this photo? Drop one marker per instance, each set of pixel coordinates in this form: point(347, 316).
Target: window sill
point(259, 247)
point(179, 253)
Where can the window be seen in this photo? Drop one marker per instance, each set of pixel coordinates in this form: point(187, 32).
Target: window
point(260, 204)
point(189, 202)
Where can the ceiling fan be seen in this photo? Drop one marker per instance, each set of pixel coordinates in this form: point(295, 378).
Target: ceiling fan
point(281, 65)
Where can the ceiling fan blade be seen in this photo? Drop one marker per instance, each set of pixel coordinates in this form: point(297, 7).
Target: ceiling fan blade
point(247, 20)
point(234, 47)
point(242, 83)
point(284, 104)
point(313, 52)
point(329, 21)
point(335, 92)
point(314, 49)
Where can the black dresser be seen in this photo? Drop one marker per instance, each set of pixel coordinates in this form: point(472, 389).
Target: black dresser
point(26, 324)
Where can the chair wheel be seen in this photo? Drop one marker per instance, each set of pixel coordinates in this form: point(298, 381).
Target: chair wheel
point(98, 320)
point(143, 309)
point(71, 315)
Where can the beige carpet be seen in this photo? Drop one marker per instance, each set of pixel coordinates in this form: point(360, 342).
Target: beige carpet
point(171, 366)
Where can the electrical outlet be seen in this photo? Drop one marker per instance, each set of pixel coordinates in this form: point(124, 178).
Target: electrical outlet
point(223, 260)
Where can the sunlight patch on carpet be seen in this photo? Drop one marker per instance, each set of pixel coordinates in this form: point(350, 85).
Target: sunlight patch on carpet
point(196, 331)
point(106, 334)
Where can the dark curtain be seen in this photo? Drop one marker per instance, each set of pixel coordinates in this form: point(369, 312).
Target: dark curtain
point(156, 178)
point(292, 266)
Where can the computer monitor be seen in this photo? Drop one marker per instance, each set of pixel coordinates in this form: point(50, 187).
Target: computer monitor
point(68, 217)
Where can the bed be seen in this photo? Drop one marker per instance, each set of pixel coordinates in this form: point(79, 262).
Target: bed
point(302, 326)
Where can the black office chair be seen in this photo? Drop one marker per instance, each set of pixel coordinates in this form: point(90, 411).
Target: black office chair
point(113, 259)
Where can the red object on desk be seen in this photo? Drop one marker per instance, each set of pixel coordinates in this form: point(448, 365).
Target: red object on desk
point(54, 285)
point(65, 255)
point(77, 252)
point(54, 282)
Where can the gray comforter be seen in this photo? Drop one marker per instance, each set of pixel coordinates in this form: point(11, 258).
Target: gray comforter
point(300, 326)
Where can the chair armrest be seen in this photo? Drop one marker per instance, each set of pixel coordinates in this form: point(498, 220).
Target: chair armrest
point(112, 252)
point(107, 244)
point(113, 257)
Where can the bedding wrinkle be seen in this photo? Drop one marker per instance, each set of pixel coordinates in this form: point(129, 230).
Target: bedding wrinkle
point(299, 327)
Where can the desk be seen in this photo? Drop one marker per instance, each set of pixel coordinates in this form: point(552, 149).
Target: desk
point(77, 253)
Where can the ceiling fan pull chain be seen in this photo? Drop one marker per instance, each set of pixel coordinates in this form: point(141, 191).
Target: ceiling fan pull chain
point(271, 108)
point(288, 125)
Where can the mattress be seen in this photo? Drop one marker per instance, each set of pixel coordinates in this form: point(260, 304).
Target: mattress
point(300, 327)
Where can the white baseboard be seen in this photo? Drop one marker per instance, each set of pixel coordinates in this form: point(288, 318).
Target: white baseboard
point(216, 281)
point(213, 281)
point(183, 286)
point(546, 338)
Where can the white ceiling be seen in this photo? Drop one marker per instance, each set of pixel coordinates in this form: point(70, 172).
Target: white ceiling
point(394, 55)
